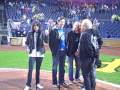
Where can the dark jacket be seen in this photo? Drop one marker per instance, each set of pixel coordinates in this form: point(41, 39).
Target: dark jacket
point(41, 38)
point(100, 42)
point(99, 38)
point(72, 45)
point(86, 48)
point(54, 41)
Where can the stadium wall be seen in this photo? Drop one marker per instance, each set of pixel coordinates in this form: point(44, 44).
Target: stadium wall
point(106, 42)
point(111, 42)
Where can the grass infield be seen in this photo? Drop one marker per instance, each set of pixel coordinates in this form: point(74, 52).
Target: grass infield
point(19, 59)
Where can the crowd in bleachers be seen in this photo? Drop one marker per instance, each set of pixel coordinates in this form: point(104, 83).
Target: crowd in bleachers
point(16, 11)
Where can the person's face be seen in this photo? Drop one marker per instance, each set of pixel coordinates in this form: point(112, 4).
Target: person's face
point(36, 28)
point(61, 23)
point(82, 28)
point(78, 28)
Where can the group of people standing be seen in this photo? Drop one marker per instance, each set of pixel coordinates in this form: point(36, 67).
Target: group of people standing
point(82, 44)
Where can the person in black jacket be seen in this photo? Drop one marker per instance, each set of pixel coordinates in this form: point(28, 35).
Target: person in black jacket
point(35, 47)
point(97, 44)
point(87, 54)
point(98, 37)
point(57, 44)
point(72, 46)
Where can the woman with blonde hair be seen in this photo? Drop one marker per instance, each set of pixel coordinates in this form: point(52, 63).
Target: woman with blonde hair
point(72, 44)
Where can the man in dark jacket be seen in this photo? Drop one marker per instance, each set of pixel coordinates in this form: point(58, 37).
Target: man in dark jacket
point(57, 44)
point(98, 39)
point(87, 54)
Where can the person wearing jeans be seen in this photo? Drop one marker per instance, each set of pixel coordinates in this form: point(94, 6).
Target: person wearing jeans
point(35, 47)
point(57, 44)
point(97, 43)
point(38, 61)
point(87, 54)
point(72, 54)
point(59, 59)
point(70, 65)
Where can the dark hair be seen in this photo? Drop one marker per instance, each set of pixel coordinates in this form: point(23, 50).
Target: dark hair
point(35, 24)
point(60, 18)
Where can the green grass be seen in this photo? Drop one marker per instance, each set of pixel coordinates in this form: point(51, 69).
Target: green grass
point(108, 58)
point(19, 59)
point(110, 77)
point(13, 59)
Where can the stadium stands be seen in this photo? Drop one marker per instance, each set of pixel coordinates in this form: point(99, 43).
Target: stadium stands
point(107, 28)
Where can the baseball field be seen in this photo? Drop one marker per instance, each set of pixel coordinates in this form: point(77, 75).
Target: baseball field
point(16, 57)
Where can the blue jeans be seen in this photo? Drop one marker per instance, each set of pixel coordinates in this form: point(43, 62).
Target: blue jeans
point(70, 66)
point(58, 59)
point(38, 61)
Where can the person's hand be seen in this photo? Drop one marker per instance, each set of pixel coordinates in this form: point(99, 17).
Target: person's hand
point(76, 53)
point(46, 32)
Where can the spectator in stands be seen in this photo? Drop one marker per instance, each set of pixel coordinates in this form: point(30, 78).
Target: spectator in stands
point(57, 44)
point(72, 44)
point(9, 30)
point(68, 24)
point(96, 24)
point(87, 54)
point(35, 47)
point(24, 28)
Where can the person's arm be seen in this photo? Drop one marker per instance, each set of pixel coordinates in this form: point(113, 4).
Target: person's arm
point(51, 39)
point(99, 39)
point(27, 43)
point(68, 39)
point(68, 42)
point(45, 37)
point(27, 39)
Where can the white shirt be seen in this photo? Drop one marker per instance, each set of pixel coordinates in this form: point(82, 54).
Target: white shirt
point(34, 52)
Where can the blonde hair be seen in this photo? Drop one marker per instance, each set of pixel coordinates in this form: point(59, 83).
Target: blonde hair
point(86, 24)
point(75, 25)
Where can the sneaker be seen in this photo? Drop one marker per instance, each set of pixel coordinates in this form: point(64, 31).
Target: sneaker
point(71, 82)
point(40, 86)
point(66, 85)
point(82, 89)
point(77, 80)
point(82, 86)
point(27, 88)
point(55, 86)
